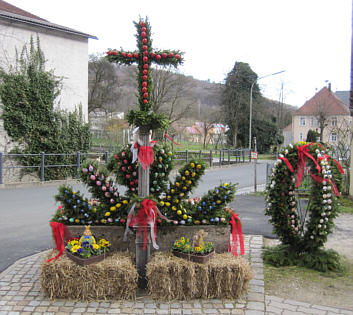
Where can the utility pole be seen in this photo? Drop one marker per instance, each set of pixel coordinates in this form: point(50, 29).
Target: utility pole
point(255, 183)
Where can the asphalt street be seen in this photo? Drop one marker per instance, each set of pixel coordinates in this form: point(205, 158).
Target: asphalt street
point(25, 212)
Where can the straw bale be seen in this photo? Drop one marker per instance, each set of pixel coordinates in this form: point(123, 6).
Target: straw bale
point(113, 278)
point(173, 278)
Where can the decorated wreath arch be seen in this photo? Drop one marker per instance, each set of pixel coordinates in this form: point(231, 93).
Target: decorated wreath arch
point(303, 233)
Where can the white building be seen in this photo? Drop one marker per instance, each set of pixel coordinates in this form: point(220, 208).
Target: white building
point(65, 49)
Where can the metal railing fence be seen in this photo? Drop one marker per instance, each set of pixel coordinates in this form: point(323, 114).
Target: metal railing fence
point(212, 157)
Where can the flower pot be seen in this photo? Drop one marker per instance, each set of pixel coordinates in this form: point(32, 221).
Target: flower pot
point(85, 261)
point(200, 259)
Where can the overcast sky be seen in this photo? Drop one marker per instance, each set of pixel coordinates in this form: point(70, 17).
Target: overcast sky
point(310, 39)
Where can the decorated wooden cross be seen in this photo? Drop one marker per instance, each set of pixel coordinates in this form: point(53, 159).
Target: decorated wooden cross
point(143, 57)
point(146, 120)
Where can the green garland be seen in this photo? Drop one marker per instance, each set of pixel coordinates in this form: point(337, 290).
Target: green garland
point(281, 204)
point(147, 120)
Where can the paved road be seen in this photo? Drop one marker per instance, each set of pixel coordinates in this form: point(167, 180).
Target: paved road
point(25, 212)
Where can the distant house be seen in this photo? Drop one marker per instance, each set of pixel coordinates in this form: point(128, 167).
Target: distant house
point(326, 104)
point(65, 49)
point(215, 132)
point(287, 135)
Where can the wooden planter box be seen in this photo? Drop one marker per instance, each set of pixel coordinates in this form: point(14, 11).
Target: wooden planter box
point(201, 259)
point(86, 261)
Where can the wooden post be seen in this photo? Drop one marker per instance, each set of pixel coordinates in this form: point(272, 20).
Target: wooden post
point(143, 255)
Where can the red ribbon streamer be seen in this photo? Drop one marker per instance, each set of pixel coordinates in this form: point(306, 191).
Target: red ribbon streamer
point(60, 233)
point(302, 155)
point(236, 236)
point(285, 160)
point(146, 156)
point(170, 139)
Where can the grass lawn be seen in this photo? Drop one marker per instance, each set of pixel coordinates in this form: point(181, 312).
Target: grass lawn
point(345, 205)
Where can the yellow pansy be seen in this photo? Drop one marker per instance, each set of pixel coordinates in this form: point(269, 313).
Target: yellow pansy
point(73, 242)
point(198, 249)
point(75, 248)
point(96, 246)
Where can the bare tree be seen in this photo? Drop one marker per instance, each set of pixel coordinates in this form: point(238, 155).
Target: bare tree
point(172, 94)
point(322, 116)
point(103, 85)
point(342, 132)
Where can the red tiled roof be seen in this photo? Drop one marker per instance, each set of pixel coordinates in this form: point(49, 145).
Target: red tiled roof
point(12, 13)
point(7, 7)
point(324, 101)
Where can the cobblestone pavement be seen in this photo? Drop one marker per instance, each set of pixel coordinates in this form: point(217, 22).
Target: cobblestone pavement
point(20, 293)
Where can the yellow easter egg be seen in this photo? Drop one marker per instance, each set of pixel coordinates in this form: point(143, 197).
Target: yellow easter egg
point(125, 202)
point(112, 208)
point(77, 221)
point(185, 216)
point(183, 178)
point(172, 191)
point(218, 202)
point(185, 188)
point(162, 203)
point(176, 201)
point(192, 165)
point(177, 184)
point(179, 212)
point(181, 194)
point(198, 166)
point(187, 173)
point(174, 208)
point(189, 182)
point(107, 214)
point(167, 204)
point(118, 205)
point(193, 174)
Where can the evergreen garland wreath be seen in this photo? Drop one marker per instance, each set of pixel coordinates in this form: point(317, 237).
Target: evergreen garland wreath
point(281, 205)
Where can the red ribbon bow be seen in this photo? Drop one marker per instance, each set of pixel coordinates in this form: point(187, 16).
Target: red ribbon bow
point(60, 233)
point(146, 215)
point(146, 156)
point(236, 237)
point(303, 153)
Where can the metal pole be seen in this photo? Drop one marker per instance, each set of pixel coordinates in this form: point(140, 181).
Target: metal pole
point(255, 183)
point(42, 156)
point(228, 156)
point(220, 158)
point(187, 155)
point(106, 157)
point(1, 168)
point(211, 159)
point(78, 162)
point(252, 85)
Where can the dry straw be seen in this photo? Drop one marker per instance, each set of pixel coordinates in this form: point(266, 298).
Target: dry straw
point(173, 278)
point(113, 278)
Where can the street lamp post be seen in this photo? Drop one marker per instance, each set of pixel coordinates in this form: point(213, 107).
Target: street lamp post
point(252, 85)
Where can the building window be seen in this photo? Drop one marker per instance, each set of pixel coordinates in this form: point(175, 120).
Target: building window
point(312, 121)
point(333, 137)
point(334, 121)
point(300, 136)
point(302, 121)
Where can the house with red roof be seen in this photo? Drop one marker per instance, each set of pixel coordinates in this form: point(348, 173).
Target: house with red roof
point(325, 106)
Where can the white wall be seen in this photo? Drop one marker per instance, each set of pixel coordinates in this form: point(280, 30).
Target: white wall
point(66, 54)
